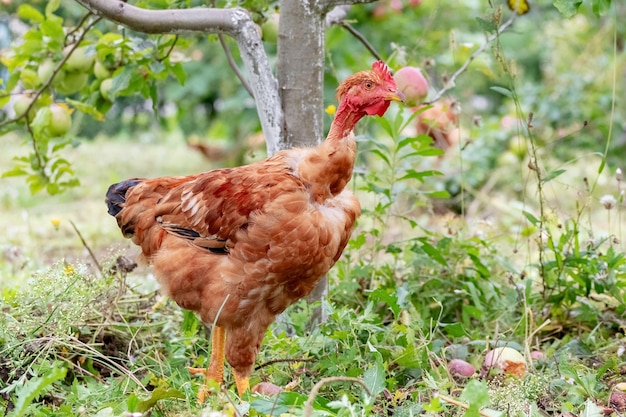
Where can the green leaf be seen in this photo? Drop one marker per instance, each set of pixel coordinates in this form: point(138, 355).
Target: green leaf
point(384, 123)
point(419, 175)
point(14, 78)
point(132, 402)
point(59, 164)
point(41, 121)
point(600, 7)
point(437, 194)
point(284, 403)
point(480, 267)
point(532, 219)
point(381, 295)
point(179, 73)
point(476, 394)
point(161, 393)
point(53, 28)
point(591, 410)
point(52, 6)
point(504, 91)
point(454, 330)
point(406, 141)
point(374, 377)
point(16, 171)
point(53, 188)
point(191, 323)
point(157, 67)
point(86, 108)
point(382, 156)
point(36, 183)
point(567, 8)
point(28, 12)
point(434, 406)
point(486, 25)
point(122, 82)
point(4, 98)
point(552, 175)
point(33, 388)
point(409, 357)
point(433, 252)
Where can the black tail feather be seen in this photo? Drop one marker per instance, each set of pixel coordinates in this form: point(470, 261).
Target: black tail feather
point(116, 195)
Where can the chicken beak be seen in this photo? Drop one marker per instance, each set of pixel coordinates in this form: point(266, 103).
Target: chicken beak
point(396, 96)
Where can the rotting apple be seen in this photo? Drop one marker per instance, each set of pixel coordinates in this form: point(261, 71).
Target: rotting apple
point(461, 368)
point(505, 359)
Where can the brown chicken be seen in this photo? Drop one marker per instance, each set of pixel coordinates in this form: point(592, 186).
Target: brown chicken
point(239, 245)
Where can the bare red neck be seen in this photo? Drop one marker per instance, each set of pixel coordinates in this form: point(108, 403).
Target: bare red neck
point(345, 119)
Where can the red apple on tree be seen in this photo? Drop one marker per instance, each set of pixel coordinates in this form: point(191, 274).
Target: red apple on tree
point(412, 84)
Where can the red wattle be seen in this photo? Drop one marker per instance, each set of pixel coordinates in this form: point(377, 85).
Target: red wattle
point(378, 108)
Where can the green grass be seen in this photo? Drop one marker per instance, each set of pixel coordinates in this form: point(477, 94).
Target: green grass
point(413, 291)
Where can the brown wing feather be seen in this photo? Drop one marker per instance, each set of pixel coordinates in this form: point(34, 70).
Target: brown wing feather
point(212, 208)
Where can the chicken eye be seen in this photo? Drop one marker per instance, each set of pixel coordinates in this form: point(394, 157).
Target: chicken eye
point(368, 85)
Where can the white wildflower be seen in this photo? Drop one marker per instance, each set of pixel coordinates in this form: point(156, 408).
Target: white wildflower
point(618, 174)
point(608, 201)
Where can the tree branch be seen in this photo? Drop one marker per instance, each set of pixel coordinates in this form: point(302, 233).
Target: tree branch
point(347, 26)
point(234, 22)
point(205, 20)
point(327, 5)
point(233, 65)
point(337, 15)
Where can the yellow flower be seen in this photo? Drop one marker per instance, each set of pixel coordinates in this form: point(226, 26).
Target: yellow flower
point(56, 223)
point(69, 269)
point(331, 109)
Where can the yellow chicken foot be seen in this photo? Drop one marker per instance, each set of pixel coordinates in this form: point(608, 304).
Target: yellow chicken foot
point(243, 383)
point(215, 370)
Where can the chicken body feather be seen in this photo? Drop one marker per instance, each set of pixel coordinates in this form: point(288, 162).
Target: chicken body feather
point(239, 245)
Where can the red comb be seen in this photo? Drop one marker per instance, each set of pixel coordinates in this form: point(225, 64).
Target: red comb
point(382, 70)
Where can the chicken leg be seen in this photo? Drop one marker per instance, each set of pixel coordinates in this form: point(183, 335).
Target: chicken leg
point(242, 382)
point(215, 370)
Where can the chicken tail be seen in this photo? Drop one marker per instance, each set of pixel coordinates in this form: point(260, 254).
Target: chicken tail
point(132, 204)
point(116, 195)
